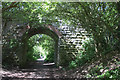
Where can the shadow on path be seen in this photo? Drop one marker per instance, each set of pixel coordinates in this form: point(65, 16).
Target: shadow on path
point(37, 69)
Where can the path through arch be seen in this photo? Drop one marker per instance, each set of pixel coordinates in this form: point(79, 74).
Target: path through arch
point(50, 31)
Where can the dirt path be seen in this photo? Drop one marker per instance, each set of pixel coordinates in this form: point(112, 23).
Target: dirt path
point(40, 70)
point(37, 69)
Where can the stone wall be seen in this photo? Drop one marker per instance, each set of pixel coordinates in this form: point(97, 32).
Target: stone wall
point(70, 43)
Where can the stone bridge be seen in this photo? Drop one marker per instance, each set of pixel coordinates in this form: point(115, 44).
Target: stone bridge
point(68, 40)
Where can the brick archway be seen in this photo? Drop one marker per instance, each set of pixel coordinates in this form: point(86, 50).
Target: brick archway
point(48, 30)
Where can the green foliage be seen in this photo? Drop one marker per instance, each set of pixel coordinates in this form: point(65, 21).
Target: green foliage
point(72, 65)
point(50, 57)
point(41, 45)
point(9, 51)
point(111, 74)
point(102, 72)
point(88, 52)
point(85, 55)
point(101, 20)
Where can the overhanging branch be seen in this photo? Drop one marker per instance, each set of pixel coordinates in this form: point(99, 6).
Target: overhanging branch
point(13, 4)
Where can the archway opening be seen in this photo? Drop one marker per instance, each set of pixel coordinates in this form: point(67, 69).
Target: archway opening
point(51, 32)
point(41, 47)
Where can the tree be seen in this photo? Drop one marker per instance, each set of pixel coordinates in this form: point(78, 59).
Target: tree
point(100, 19)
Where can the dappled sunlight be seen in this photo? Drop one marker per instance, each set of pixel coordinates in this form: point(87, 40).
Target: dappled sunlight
point(41, 51)
point(42, 47)
point(60, 40)
point(47, 64)
point(41, 70)
point(41, 59)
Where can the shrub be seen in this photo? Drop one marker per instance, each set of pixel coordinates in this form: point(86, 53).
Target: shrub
point(88, 52)
point(84, 55)
point(72, 65)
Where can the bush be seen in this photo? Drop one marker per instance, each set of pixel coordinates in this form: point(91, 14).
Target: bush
point(111, 74)
point(72, 65)
point(84, 55)
point(9, 53)
point(88, 52)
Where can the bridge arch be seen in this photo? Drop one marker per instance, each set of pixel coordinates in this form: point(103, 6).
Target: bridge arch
point(47, 30)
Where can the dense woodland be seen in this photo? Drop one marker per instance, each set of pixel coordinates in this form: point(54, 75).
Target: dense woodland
point(101, 20)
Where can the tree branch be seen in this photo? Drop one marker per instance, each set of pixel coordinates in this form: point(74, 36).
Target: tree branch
point(13, 4)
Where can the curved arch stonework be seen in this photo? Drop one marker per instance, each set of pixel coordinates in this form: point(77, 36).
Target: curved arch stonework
point(67, 42)
point(68, 39)
point(52, 32)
